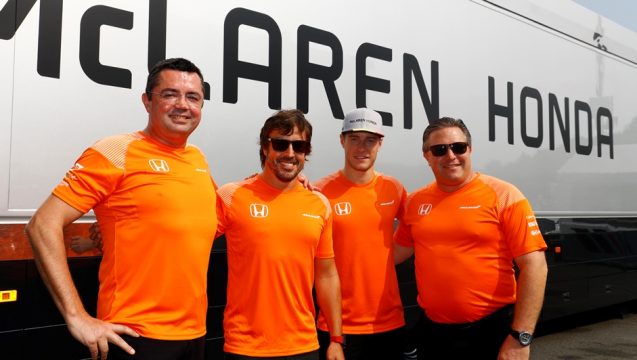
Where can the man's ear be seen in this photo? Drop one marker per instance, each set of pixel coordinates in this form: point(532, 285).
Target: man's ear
point(146, 101)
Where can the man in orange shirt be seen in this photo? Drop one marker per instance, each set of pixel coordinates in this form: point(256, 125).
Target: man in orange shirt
point(466, 229)
point(154, 197)
point(365, 205)
point(279, 241)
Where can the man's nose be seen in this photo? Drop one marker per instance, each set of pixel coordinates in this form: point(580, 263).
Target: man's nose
point(289, 151)
point(181, 101)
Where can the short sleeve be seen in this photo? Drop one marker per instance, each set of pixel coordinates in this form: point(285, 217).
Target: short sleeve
point(521, 229)
point(325, 248)
point(89, 182)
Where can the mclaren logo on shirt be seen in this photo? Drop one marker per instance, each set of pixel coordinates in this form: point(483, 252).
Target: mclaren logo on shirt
point(258, 210)
point(158, 165)
point(343, 208)
point(71, 173)
point(424, 209)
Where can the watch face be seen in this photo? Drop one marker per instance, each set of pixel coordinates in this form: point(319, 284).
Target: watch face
point(525, 338)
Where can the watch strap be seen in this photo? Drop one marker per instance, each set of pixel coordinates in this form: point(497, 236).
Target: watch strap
point(523, 337)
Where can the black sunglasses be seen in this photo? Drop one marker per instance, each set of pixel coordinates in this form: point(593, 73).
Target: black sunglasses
point(299, 146)
point(458, 148)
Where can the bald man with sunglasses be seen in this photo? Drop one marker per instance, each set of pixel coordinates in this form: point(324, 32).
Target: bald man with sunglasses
point(467, 230)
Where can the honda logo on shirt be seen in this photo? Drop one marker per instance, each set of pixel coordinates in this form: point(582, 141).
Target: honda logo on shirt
point(258, 210)
point(424, 209)
point(158, 165)
point(343, 208)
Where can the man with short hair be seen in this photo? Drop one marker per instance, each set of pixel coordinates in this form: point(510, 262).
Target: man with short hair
point(279, 243)
point(154, 197)
point(466, 230)
point(365, 204)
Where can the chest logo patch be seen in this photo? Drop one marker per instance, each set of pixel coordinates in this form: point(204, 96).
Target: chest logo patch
point(424, 209)
point(259, 210)
point(159, 165)
point(343, 208)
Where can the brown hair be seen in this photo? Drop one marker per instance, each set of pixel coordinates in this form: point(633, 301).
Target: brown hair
point(444, 122)
point(285, 121)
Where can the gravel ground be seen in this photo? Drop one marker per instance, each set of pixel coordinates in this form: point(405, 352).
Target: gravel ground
point(591, 337)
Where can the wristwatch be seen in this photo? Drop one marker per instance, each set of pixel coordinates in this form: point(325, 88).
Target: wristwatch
point(525, 338)
point(339, 339)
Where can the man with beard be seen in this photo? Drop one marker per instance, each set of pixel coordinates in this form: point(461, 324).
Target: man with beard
point(279, 241)
point(365, 204)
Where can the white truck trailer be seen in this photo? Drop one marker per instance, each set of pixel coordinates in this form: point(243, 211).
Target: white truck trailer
point(547, 88)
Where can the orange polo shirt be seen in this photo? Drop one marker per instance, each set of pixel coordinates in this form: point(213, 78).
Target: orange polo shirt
point(273, 238)
point(363, 227)
point(464, 243)
point(156, 209)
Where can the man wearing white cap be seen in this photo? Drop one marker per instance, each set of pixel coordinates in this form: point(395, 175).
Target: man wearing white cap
point(365, 204)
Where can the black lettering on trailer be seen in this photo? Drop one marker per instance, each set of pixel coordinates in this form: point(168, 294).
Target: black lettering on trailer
point(431, 103)
point(157, 32)
point(604, 113)
point(49, 50)
point(157, 18)
point(583, 122)
point(583, 108)
point(233, 68)
point(305, 70)
point(563, 123)
point(49, 31)
point(365, 82)
point(505, 111)
point(90, 26)
point(526, 94)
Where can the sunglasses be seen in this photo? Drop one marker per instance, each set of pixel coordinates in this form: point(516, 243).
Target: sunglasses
point(458, 148)
point(299, 146)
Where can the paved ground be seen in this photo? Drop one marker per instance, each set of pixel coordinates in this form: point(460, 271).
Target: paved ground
point(592, 337)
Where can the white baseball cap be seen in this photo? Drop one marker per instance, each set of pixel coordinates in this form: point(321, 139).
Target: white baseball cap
point(363, 119)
